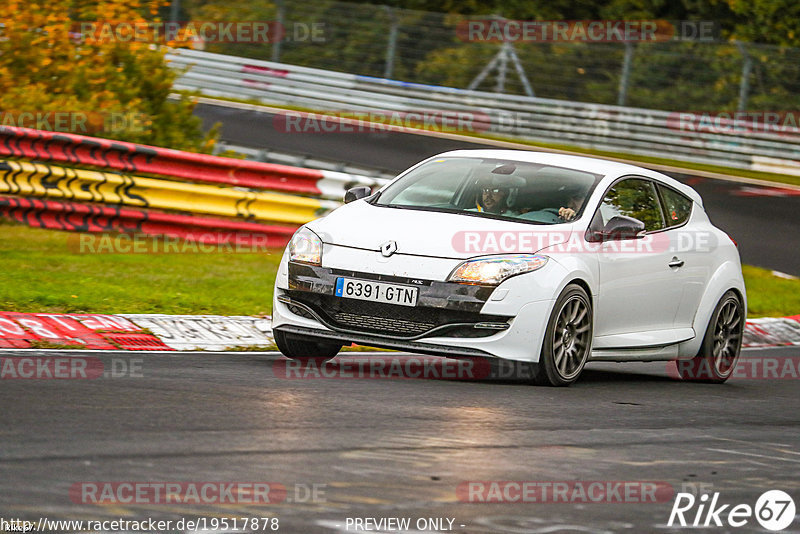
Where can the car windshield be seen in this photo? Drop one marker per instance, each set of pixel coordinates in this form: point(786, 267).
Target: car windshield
point(495, 188)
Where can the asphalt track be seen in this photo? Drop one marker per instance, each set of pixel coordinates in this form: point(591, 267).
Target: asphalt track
point(393, 447)
point(766, 226)
point(402, 448)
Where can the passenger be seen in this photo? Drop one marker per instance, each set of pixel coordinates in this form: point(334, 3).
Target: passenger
point(573, 206)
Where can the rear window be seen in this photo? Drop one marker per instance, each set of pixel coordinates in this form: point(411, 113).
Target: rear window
point(633, 197)
point(677, 206)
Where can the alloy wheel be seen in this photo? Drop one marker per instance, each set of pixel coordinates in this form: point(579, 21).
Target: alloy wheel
point(727, 337)
point(571, 337)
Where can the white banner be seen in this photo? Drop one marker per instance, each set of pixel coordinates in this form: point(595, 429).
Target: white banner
point(207, 332)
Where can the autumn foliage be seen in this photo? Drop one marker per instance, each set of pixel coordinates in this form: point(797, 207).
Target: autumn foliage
point(46, 65)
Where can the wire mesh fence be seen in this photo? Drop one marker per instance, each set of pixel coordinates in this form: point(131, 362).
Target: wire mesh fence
point(424, 47)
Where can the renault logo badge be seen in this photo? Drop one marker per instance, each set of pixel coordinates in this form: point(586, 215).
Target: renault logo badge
point(389, 248)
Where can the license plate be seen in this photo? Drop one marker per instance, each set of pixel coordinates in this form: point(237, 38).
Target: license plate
point(353, 288)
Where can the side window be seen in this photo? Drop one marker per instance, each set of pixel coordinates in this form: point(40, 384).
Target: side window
point(633, 197)
point(677, 207)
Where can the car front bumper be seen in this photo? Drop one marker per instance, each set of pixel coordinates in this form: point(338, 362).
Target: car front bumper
point(449, 320)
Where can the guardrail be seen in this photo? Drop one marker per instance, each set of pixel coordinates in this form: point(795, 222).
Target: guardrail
point(44, 180)
point(603, 127)
point(75, 217)
point(360, 175)
point(134, 158)
point(194, 185)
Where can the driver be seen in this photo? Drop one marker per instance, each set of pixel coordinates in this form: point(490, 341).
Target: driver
point(492, 199)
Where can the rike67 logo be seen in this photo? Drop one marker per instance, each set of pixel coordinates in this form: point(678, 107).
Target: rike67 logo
point(774, 510)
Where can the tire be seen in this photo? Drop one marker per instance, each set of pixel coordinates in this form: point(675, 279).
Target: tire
point(301, 349)
point(568, 339)
point(721, 346)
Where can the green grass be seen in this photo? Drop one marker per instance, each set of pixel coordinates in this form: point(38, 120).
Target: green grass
point(769, 295)
point(42, 273)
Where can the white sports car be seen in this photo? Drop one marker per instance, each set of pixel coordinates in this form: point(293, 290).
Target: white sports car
point(548, 259)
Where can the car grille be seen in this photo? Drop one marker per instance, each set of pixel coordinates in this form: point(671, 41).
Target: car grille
point(386, 324)
point(391, 319)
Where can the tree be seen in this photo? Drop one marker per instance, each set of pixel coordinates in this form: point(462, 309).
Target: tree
point(767, 21)
point(119, 83)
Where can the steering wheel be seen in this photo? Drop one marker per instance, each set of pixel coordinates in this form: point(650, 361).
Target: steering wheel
point(545, 215)
point(554, 211)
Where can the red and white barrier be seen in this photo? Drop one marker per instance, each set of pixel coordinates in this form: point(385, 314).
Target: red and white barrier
point(207, 332)
point(73, 216)
point(132, 158)
point(215, 332)
point(78, 331)
point(772, 332)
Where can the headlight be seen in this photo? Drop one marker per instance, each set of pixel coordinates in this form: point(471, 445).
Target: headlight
point(305, 247)
point(492, 271)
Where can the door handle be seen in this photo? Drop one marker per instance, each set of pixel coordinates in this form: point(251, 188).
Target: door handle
point(676, 262)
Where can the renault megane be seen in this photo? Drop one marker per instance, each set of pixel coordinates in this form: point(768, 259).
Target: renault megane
point(552, 260)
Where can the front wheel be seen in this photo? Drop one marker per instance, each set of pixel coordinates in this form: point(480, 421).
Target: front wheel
point(721, 345)
point(305, 349)
point(568, 339)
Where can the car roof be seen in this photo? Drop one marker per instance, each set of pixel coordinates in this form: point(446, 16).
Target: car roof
point(611, 170)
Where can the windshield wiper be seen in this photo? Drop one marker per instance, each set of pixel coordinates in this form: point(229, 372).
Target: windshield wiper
point(423, 208)
point(459, 211)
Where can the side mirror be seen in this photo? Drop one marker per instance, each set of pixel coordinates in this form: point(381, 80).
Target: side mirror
point(618, 228)
point(621, 227)
point(356, 193)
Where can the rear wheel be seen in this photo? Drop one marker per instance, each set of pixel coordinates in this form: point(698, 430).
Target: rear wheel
point(568, 339)
point(301, 349)
point(721, 345)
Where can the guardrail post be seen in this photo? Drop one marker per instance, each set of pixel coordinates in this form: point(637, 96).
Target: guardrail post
point(174, 10)
point(280, 18)
point(744, 83)
point(392, 45)
point(624, 79)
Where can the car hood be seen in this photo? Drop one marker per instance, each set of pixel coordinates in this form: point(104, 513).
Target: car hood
point(426, 233)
